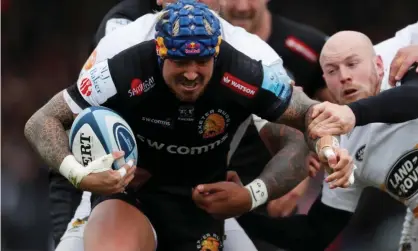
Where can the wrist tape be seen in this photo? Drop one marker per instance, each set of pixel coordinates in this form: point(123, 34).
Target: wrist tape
point(258, 192)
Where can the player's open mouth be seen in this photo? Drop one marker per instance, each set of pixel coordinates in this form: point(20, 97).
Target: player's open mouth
point(189, 85)
point(349, 92)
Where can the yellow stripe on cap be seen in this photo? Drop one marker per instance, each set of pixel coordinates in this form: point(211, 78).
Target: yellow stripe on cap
point(160, 47)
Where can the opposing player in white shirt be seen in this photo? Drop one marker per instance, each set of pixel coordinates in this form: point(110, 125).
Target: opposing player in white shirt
point(386, 155)
point(369, 110)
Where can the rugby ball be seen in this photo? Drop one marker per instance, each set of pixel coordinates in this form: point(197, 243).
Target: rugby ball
point(98, 131)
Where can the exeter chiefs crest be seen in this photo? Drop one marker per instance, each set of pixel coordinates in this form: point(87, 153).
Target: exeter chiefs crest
point(209, 242)
point(213, 123)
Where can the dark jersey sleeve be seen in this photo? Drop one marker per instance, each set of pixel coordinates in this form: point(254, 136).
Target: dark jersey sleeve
point(395, 105)
point(108, 83)
point(314, 231)
point(264, 90)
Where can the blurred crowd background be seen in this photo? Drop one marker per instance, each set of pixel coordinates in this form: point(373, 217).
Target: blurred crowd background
point(44, 44)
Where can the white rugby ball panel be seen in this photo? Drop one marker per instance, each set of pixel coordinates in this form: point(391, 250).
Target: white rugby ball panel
point(104, 131)
point(86, 146)
point(86, 117)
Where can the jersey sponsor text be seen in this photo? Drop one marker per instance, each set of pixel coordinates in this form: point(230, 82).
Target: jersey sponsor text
point(96, 85)
point(239, 86)
point(98, 75)
point(182, 150)
point(301, 48)
point(402, 179)
point(138, 86)
point(166, 123)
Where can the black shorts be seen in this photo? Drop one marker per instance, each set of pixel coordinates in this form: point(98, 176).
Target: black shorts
point(64, 200)
point(179, 223)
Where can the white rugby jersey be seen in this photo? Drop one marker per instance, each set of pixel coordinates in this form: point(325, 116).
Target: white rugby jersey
point(386, 156)
point(388, 48)
point(383, 149)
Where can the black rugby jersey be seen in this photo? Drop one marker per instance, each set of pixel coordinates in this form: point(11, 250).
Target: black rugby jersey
point(299, 46)
point(183, 143)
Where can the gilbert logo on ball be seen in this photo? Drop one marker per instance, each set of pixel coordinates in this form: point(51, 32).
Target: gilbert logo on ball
point(98, 131)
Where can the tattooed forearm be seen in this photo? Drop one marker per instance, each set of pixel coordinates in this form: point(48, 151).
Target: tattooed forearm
point(294, 115)
point(45, 130)
point(287, 168)
point(298, 114)
point(310, 141)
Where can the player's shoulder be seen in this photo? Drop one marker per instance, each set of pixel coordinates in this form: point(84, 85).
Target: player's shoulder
point(140, 30)
point(128, 63)
point(404, 37)
point(247, 76)
point(298, 37)
point(121, 14)
point(308, 33)
point(136, 57)
point(129, 9)
point(247, 43)
point(127, 74)
point(237, 68)
point(409, 34)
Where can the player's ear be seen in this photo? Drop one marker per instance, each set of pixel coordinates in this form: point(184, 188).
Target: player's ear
point(380, 68)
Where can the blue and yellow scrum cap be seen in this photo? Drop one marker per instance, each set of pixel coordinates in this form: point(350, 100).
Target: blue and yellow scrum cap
point(187, 29)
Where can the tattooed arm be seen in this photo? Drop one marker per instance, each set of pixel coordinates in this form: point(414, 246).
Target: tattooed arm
point(287, 168)
point(45, 130)
point(298, 114)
